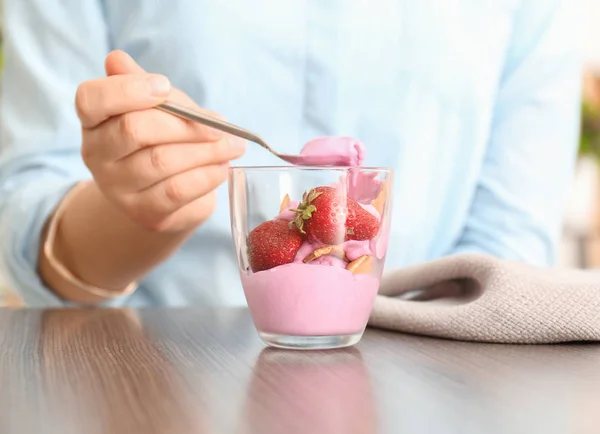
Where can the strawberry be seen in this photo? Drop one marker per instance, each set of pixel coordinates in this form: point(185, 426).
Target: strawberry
point(360, 224)
point(326, 214)
point(272, 243)
point(322, 215)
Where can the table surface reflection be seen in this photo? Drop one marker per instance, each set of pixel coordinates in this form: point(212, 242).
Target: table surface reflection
point(205, 371)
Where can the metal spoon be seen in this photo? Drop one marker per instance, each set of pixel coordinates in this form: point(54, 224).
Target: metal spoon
point(211, 121)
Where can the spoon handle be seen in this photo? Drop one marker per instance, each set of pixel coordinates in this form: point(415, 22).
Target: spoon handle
point(211, 121)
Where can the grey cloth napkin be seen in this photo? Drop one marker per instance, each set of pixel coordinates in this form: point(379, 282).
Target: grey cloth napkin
point(479, 298)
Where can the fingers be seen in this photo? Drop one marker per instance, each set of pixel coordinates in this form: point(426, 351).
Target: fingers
point(124, 135)
point(156, 203)
point(161, 170)
point(153, 164)
point(118, 62)
point(99, 99)
point(189, 216)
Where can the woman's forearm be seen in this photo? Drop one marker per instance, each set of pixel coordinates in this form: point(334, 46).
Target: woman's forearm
point(102, 247)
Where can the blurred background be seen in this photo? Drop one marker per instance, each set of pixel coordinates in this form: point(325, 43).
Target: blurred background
point(580, 245)
point(580, 241)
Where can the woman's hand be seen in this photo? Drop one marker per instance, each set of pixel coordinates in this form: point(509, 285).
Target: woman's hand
point(159, 170)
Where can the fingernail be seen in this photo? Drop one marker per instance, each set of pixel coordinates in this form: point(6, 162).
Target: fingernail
point(159, 85)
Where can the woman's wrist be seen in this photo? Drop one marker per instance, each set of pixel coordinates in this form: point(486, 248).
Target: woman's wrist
point(90, 242)
point(55, 266)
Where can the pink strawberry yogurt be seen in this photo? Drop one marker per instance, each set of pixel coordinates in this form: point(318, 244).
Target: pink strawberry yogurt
point(310, 300)
point(322, 297)
point(333, 151)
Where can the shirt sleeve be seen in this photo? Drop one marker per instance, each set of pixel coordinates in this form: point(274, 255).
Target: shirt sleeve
point(518, 205)
point(50, 46)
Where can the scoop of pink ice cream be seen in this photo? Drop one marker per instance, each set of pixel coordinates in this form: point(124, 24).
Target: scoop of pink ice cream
point(334, 151)
point(353, 250)
point(330, 261)
point(356, 249)
point(344, 151)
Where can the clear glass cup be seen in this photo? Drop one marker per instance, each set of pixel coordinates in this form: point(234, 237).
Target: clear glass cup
point(310, 243)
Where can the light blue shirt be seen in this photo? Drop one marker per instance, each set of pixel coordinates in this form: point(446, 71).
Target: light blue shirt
point(475, 103)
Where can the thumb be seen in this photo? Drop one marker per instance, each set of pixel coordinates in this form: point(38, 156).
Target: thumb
point(119, 63)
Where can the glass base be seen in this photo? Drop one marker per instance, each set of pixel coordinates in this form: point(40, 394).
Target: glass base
point(310, 342)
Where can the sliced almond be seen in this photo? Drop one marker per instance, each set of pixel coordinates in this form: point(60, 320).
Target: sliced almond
point(285, 203)
point(337, 251)
point(379, 202)
point(362, 265)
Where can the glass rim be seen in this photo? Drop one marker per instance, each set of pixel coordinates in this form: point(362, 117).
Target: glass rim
point(316, 168)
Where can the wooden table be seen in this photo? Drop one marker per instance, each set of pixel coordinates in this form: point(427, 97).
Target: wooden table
point(205, 371)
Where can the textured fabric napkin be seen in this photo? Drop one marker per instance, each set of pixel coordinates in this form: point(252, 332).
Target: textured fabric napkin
point(479, 298)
